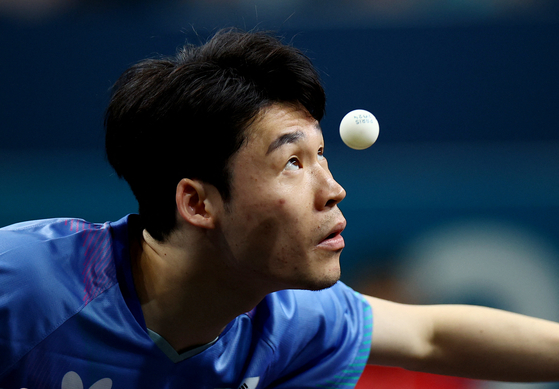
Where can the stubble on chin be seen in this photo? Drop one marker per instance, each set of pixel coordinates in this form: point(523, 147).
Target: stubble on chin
point(324, 282)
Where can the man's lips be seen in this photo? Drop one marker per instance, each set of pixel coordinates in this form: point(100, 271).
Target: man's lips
point(334, 240)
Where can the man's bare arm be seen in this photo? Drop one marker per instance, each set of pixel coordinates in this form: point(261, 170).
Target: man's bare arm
point(465, 341)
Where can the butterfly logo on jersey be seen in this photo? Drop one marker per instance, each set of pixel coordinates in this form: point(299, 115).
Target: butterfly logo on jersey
point(72, 380)
point(249, 383)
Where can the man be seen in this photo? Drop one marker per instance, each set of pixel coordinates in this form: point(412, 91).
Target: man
point(228, 278)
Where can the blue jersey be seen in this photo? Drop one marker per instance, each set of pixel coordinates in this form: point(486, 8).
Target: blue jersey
point(70, 318)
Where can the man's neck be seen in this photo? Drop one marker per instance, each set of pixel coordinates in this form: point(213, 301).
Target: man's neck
point(186, 297)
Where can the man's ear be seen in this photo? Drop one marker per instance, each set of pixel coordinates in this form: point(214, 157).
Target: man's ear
point(195, 202)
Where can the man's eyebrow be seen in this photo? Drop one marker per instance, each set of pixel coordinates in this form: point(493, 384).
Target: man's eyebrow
point(290, 137)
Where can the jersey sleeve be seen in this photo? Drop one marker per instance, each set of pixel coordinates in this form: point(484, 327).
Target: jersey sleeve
point(326, 339)
point(25, 290)
point(45, 268)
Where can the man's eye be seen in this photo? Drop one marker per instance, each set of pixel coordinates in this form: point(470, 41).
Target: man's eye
point(293, 164)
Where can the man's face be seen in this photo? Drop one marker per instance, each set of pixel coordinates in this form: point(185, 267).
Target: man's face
point(282, 224)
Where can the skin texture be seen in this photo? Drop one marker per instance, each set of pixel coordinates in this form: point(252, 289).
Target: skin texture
point(284, 204)
point(466, 341)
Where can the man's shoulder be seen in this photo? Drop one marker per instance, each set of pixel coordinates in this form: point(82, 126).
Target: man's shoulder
point(30, 234)
point(316, 332)
point(43, 258)
point(304, 313)
point(49, 271)
point(24, 234)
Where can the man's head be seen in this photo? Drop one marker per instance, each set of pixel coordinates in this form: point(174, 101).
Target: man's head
point(186, 116)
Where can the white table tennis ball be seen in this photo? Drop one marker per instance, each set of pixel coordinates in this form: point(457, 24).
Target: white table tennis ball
point(359, 129)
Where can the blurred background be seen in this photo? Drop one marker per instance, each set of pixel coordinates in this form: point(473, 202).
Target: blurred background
point(458, 200)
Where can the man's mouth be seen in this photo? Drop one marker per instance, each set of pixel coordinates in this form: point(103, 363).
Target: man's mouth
point(334, 240)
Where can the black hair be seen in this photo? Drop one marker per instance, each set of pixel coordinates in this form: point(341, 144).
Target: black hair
point(186, 116)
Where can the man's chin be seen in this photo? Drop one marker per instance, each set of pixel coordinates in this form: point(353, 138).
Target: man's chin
point(322, 283)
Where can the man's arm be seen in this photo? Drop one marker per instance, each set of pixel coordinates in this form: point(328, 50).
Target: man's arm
point(465, 341)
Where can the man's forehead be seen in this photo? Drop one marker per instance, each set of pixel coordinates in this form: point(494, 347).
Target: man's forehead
point(280, 119)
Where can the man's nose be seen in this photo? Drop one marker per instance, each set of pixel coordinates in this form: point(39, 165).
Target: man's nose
point(330, 192)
